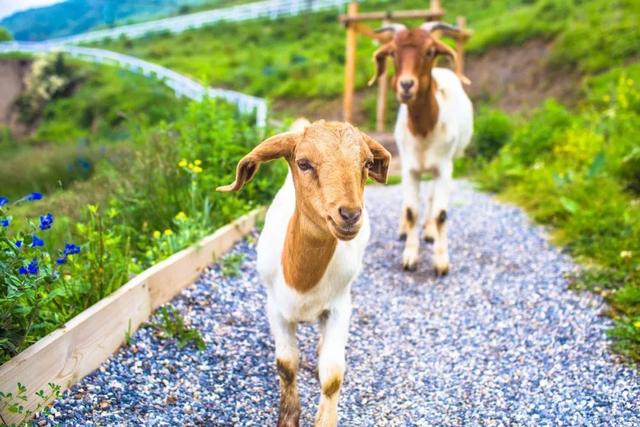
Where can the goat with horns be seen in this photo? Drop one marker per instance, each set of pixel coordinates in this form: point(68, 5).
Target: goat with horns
point(434, 125)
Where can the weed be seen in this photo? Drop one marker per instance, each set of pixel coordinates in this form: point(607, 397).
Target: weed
point(230, 264)
point(171, 325)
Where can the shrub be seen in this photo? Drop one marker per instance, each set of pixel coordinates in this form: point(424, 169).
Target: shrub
point(493, 129)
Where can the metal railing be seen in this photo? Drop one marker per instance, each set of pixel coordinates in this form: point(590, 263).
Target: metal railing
point(181, 85)
point(264, 9)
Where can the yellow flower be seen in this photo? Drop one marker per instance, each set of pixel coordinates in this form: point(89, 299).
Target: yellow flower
point(196, 169)
point(168, 232)
point(197, 162)
point(93, 208)
point(181, 216)
point(637, 324)
point(156, 234)
point(606, 98)
point(626, 254)
point(182, 163)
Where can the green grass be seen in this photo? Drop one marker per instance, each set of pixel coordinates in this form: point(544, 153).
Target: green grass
point(303, 57)
point(76, 133)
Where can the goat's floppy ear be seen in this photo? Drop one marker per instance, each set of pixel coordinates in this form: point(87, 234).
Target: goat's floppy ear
point(443, 49)
point(272, 148)
point(381, 159)
point(380, 58)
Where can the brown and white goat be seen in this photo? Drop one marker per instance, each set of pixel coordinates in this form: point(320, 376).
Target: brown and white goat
point(312, 245)
point(434, 125)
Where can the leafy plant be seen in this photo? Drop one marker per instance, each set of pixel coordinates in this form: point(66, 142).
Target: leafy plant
point(171, 325)
point(14, 403)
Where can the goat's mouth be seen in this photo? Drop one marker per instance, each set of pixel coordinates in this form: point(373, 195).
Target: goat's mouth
point(343, 231)
point(405, 97)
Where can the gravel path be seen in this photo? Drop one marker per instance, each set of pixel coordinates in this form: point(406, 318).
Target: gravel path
point(500, 341)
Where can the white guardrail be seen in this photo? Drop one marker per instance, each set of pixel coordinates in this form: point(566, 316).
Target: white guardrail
point(182, 85)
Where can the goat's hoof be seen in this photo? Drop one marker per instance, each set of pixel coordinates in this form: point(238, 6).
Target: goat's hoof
point(441, 272)
point(427, 239)
point(289, 421)
point(402, 236)
point(409, 262)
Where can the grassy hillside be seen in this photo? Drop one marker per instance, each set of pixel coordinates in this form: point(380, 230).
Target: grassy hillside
point(303, 56)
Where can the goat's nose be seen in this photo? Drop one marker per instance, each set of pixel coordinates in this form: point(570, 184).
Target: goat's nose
point(350, 216)
point(406, 84)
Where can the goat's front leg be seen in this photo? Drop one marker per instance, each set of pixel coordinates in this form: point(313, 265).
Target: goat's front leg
point(409, 218)
point(430, 228)
point(284, 334)
point(331, 360)
point(437, 216)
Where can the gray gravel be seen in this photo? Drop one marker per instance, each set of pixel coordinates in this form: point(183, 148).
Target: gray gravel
point(500, 341)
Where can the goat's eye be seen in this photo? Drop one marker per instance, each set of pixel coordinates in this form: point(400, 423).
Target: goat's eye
point(304, 165)
point(368, 164)
point(431, 53)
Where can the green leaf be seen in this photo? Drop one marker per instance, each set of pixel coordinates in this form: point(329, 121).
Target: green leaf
point(596, 165)
point(570, 205)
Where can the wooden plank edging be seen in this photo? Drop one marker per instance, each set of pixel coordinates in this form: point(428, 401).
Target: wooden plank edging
point(80, 346)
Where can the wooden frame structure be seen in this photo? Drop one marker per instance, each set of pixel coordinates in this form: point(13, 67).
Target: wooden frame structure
point(354, 23)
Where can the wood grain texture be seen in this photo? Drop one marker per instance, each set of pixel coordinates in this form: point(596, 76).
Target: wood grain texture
point(70, 353)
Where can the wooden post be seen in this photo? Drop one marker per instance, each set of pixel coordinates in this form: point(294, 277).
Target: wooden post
point(350, 65)
point(462, 22)
point(382, 95)
point(435, 6)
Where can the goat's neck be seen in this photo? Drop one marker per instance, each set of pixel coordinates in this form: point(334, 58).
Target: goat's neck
point(423, 111)
point(308, 249)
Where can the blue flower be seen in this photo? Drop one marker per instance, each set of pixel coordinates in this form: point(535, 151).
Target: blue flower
point(34, 196)
point(46, 221)
point(32, 268)
point(3, 201)
point(70, 249)
point(36, 241)
point(62, 260)
point(18, 243)
point(5, 222)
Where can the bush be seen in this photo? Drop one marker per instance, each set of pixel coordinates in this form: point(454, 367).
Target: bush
point(493, 129)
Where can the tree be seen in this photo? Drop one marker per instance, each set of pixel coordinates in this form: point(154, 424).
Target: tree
point(5, 35)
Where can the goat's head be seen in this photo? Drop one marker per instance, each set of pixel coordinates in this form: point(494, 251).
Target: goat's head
point(330, 163)
point(414, 52)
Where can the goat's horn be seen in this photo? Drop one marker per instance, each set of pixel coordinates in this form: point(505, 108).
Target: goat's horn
point(438, 25)
point(395, 27)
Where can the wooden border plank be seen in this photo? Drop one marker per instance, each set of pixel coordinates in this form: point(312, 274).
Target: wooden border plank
point(73, 351)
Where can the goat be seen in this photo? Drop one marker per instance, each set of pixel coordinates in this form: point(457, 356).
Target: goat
point(312, 245)
point(434, 125)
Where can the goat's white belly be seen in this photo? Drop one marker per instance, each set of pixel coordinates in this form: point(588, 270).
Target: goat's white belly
point(334, 285)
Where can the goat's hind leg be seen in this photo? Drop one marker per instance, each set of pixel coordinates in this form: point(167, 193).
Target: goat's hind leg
point(410, 212)
point(284, 334)
point(331, 361)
